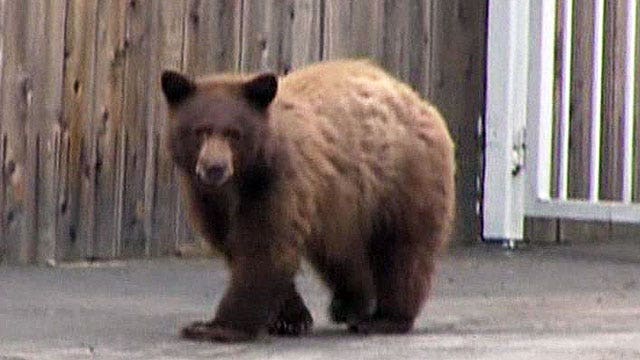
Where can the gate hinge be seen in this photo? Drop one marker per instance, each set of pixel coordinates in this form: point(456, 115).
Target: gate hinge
point(518, 152)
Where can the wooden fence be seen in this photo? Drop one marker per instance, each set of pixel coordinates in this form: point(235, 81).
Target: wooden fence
point(84, 173)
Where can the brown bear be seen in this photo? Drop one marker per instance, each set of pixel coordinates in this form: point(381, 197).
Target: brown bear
point(338, 163)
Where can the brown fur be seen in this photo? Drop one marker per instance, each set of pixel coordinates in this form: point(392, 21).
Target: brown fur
point(347, 167)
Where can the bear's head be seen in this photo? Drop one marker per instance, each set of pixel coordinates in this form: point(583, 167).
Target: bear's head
point(219, 127)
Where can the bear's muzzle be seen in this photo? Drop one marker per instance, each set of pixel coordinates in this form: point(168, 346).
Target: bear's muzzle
point(215, 162)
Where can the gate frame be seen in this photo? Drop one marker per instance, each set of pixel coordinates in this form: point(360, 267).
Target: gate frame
point(519, 126)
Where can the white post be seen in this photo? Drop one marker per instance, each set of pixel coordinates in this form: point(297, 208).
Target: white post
point(505, 119)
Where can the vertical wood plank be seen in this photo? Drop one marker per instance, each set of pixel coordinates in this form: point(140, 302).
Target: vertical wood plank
point(107, 117)
point(265, 35)
point(74, 238)
point(456, 86)
point(636, 168)
point(29, 241)
point(16, 90)
point(306, 32)
point(580, 99)
point(212, 36)
point(46, 56)
point(558, 81)
point(406, 25)
point(613, 101)
point(353, 29)
point(140, 18)
point(162, 193)
point(281, 35)
point(119, 189)
point(3, 235)
point(148, 205)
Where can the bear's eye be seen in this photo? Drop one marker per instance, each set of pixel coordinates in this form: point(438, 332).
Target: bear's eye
point(233, 134)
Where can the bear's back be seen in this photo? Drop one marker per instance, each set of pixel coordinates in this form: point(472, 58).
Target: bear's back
point(353, 131)
point(356, 105)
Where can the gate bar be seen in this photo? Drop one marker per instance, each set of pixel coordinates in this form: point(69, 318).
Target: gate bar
point(629, 101)
point(596, 101)
point(540, 100)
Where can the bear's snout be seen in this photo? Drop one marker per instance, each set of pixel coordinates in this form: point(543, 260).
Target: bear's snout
point(212, 174)
point(215, 162)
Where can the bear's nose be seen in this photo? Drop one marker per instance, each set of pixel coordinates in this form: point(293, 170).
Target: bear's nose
point(212, 174)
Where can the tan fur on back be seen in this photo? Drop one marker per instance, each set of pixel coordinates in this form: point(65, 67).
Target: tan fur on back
point(359, 140)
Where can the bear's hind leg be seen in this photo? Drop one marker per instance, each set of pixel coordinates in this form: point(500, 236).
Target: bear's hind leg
point(353, 291)
point(413, 226)
point(404, 263)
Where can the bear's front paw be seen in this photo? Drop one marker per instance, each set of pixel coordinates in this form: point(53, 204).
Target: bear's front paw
point(292, 321)
point(212, 331)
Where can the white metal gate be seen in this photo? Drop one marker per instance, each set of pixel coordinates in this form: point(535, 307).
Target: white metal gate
point(528, 116)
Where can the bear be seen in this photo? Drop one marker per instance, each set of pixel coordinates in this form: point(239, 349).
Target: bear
point(337, 163)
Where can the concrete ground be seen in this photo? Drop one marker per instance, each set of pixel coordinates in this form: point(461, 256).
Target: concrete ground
point(554, 302)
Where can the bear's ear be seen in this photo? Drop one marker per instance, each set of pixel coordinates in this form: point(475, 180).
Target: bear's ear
point(261, 90)
point(176, 87)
